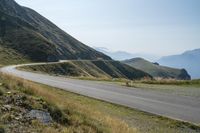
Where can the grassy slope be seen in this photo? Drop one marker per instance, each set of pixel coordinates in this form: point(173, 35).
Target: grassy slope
point(9, 56)
point(93, 69)
point(156, 70)
point(18, 35)
point(85, 113)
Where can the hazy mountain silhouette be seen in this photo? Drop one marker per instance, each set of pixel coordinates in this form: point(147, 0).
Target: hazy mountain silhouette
point(190, 60)
point(122, 55)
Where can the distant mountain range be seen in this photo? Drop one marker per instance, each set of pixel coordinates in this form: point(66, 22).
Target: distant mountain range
point(122, 55)
point(157, 71)
point(190, 60)
point(34, 37)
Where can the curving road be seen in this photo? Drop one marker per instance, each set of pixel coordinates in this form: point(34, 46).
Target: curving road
point(176, 107)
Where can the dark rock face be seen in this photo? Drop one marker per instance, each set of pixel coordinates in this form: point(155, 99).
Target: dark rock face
point(184, 75)
point(156, 63)
point(29, 33)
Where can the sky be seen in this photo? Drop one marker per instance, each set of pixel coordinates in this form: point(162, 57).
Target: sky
point(157, 27)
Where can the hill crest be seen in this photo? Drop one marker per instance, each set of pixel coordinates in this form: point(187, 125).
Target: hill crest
point(156, 70)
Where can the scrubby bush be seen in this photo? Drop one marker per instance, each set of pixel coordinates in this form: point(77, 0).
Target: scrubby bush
point(57, 114)
point(1, 92)
point(2, 129)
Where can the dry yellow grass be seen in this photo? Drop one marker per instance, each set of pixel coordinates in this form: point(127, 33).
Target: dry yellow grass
point(82, 117)
point(87, 115)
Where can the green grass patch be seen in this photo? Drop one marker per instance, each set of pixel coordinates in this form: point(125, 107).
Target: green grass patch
point(171, 82)
point(2, 130)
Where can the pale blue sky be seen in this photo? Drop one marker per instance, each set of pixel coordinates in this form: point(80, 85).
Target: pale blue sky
point(160, 27)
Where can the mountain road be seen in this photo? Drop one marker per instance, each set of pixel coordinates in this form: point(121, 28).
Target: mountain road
point(177, 107)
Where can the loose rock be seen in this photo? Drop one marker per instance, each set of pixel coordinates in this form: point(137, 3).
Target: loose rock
point(42, 116)
point(6, 108)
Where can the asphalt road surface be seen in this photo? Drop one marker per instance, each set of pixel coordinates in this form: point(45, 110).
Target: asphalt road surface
point(176, 107)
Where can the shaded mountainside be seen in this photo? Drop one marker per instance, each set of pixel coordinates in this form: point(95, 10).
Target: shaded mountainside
point(35, 37)
point(188, 60)
point(156, 70)
point(9, 56)
point(91, 69)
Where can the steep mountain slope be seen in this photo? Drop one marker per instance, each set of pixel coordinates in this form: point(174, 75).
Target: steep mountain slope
point(156, 70)
point(91, 69)
point(32, 35)
point(9, 56)
point(190, 60)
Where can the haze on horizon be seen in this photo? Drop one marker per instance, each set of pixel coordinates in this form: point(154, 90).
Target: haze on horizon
point(136, 26)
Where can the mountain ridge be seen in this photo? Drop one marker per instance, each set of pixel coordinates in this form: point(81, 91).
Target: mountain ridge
point(188, 60)
point(60, 45)
point(157, 71)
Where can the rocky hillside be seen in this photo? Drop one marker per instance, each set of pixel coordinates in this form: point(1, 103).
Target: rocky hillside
point(22, 112)
point(91, 69)
point(156, 70)
point(32, 35)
